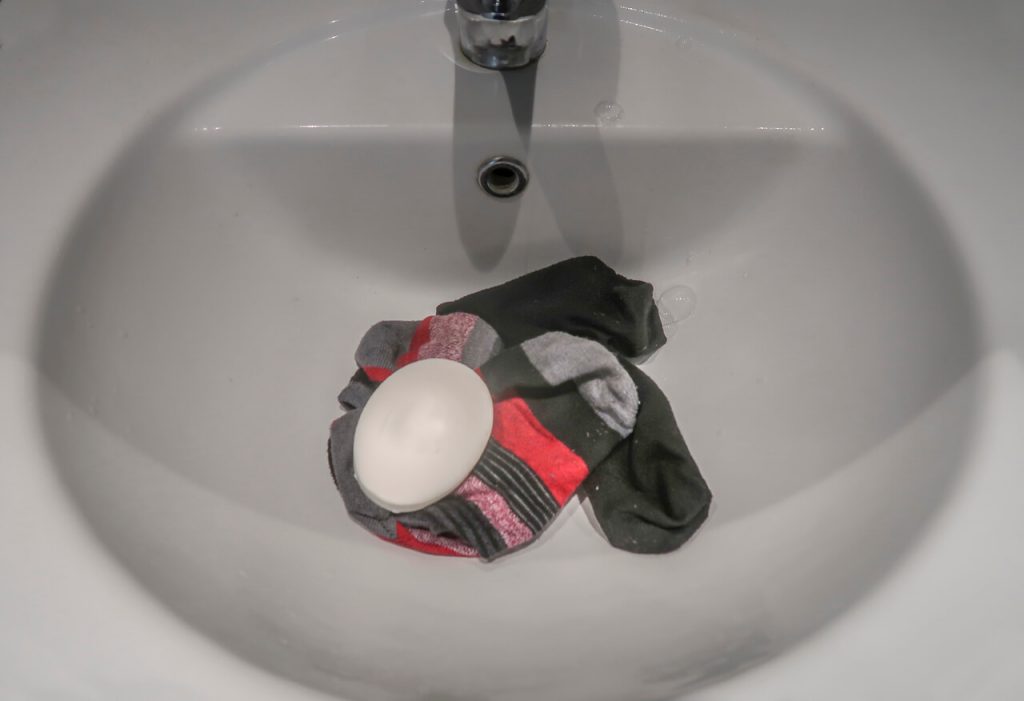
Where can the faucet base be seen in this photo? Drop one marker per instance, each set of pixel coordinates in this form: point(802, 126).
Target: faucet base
point(502, 44)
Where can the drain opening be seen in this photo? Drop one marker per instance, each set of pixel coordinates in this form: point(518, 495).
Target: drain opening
point(503, 177)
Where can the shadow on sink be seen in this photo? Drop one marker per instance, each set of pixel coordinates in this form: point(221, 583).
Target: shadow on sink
point(482, 128)
point(632, 194)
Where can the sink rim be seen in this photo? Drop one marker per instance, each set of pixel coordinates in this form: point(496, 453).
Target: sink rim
point(173, 113)
point(76, 180)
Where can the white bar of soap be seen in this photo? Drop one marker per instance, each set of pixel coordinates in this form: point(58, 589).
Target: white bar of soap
point(421, 433)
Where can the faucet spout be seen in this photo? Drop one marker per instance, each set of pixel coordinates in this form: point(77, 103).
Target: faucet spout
point(502, 34)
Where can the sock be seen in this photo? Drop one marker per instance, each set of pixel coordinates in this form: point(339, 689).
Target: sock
point(581, 296)
point(563, 404)
point(391, 345)
point(648, 494)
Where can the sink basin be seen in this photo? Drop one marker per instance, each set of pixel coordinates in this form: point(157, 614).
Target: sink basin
point(205, 310)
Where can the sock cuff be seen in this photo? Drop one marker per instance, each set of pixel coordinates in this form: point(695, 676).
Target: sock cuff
point(391, 345)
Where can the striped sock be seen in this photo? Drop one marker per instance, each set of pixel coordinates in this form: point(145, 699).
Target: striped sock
point(391, 345)
point(562, 404)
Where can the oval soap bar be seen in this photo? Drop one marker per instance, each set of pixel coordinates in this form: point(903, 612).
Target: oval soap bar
point(421, 433)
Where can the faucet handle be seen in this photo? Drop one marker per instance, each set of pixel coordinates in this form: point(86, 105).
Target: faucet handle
point(502, 34)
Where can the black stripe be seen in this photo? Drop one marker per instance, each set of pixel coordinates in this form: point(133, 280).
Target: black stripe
point(540, 491)
point(521, 503)
point(439, 522)
point(510, 476)
point(476, 518)
point(471, 525)
point(517, 502)
point(430, 519)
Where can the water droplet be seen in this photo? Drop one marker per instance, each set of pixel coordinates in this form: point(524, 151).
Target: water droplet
point(676, 305)
point(608, 113)
point(684, 43)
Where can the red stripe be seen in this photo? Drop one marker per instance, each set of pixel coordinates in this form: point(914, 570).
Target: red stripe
point(518, 430)
point(419, 339)
point(377, 374)
point(408, 540)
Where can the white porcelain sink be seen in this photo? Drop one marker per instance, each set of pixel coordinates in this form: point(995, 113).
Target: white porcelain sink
point(203, 307)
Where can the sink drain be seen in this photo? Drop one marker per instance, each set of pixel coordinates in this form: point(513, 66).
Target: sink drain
point(503, 177)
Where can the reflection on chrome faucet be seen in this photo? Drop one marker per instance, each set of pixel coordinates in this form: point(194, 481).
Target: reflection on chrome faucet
point(502, 34)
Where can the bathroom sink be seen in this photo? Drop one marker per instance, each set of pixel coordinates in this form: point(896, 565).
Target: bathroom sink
point(208, 296)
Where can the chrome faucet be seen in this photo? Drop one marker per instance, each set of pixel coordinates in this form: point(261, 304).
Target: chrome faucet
point(502, 34)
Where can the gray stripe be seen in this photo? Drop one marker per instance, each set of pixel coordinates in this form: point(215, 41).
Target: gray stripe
point(522, 503)
point(482, 345)
point(355, 395)
point(599, 377)
point(522, 475)
point(384, 343)
point(374, 518)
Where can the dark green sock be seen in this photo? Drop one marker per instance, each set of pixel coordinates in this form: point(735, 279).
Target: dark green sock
point(648, 494)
